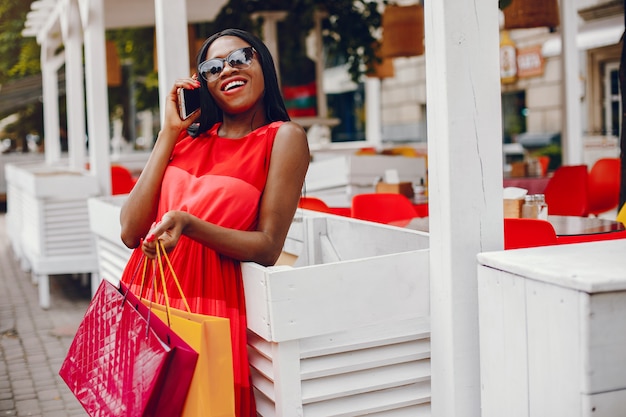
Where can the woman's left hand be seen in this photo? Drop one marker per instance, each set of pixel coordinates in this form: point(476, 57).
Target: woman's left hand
point(168, 231)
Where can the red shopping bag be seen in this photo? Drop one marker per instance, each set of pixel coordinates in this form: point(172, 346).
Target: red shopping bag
point(125, 361)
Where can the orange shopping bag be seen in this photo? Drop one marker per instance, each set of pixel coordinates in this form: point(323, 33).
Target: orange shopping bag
point(211, 393)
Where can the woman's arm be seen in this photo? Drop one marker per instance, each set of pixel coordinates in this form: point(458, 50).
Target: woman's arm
point(288, 165)
point(139, 210)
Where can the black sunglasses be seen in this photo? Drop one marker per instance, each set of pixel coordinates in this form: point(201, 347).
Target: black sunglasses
point(211, 69)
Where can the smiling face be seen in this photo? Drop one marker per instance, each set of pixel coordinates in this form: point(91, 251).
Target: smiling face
point(236, 90)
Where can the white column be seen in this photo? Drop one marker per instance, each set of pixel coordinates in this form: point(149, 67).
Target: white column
point(270, 34)
point(465, 188)
point(74, 90)
point(373, 117)
point(50, 88)
point(97, 94)
point(570, 71)
point(172, 41)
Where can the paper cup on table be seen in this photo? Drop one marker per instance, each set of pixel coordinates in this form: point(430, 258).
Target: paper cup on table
point(513, 201)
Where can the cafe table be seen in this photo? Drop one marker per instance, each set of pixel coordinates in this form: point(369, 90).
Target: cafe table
point(569, 229)
point(577, 226)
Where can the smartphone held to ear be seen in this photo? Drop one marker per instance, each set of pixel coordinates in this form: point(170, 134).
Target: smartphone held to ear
point(188, 102)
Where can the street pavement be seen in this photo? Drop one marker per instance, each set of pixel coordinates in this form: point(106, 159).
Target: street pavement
point(33, 341)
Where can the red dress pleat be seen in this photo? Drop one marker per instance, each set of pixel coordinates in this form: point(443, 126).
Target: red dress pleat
point(221, 181)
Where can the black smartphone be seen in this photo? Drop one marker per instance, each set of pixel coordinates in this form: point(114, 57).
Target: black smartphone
point(188, 102)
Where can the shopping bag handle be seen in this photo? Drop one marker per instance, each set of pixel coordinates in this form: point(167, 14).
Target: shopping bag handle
point(162, 254)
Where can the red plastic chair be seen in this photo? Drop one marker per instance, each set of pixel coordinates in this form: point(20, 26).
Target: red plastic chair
point(122, 181)
point(603, 185)
point(566, 192)
point(317, 204)
point(382, 207)
point(528, 233)
point(314, 203)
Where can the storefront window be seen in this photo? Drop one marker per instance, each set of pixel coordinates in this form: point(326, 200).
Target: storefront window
point(612, 102)
point(514, 113)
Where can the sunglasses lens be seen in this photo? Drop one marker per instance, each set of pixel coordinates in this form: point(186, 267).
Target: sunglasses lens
point(240, 59)
point(211, 69)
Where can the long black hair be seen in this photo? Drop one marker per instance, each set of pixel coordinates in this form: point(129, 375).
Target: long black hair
point(275, 109)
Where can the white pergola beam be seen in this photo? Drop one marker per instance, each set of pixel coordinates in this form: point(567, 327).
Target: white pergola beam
point(74, 89)
point(92, 12)
point(570, 73)
point(465, 188)
point(172, 39)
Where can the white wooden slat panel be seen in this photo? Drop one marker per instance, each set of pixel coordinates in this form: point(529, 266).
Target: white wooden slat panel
point(30, 234)
point(14, 217)
point(66, 246)
point(397, 288)
point(261, 363)
point(381, 401)
point(66, 228)
point(606, 342)
point(72, 264)
point(398, 331)
point(286, 374)
point(260, 345)
point(112, 259)
point(419, 410)
point(69, 209)
point(554, 350)
point(264, 406)
point(264, 386)
point(54, 251)
point(68, 184)
point(350, 341)
point(354, 239)
point(503, 344)
point(78, 238)
point(61, 204)
point(255, 289)
point(104, 216)
point(362, 359)
point(60, 222)
point(360, 382)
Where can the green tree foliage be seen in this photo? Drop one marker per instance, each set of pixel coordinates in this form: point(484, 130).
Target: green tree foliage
point(19, 56)
point(135, 48)
point(349, 31)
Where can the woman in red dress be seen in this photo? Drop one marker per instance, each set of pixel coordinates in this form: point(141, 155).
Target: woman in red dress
point(224, 194)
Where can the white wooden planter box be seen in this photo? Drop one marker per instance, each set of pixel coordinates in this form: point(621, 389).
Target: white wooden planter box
point(553, 331)
point(344, 331)
point(48, 218)
point(18, 158)
point(104, 222)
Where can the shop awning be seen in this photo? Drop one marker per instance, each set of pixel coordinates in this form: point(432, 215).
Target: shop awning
point(594, 34)
point(16, 95)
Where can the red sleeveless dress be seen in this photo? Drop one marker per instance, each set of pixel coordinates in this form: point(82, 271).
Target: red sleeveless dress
point(221, 181)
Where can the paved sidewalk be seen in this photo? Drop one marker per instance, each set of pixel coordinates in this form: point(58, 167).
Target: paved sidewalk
point(33, 341)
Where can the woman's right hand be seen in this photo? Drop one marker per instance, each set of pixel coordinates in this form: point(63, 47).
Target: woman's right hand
point(172, 118)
